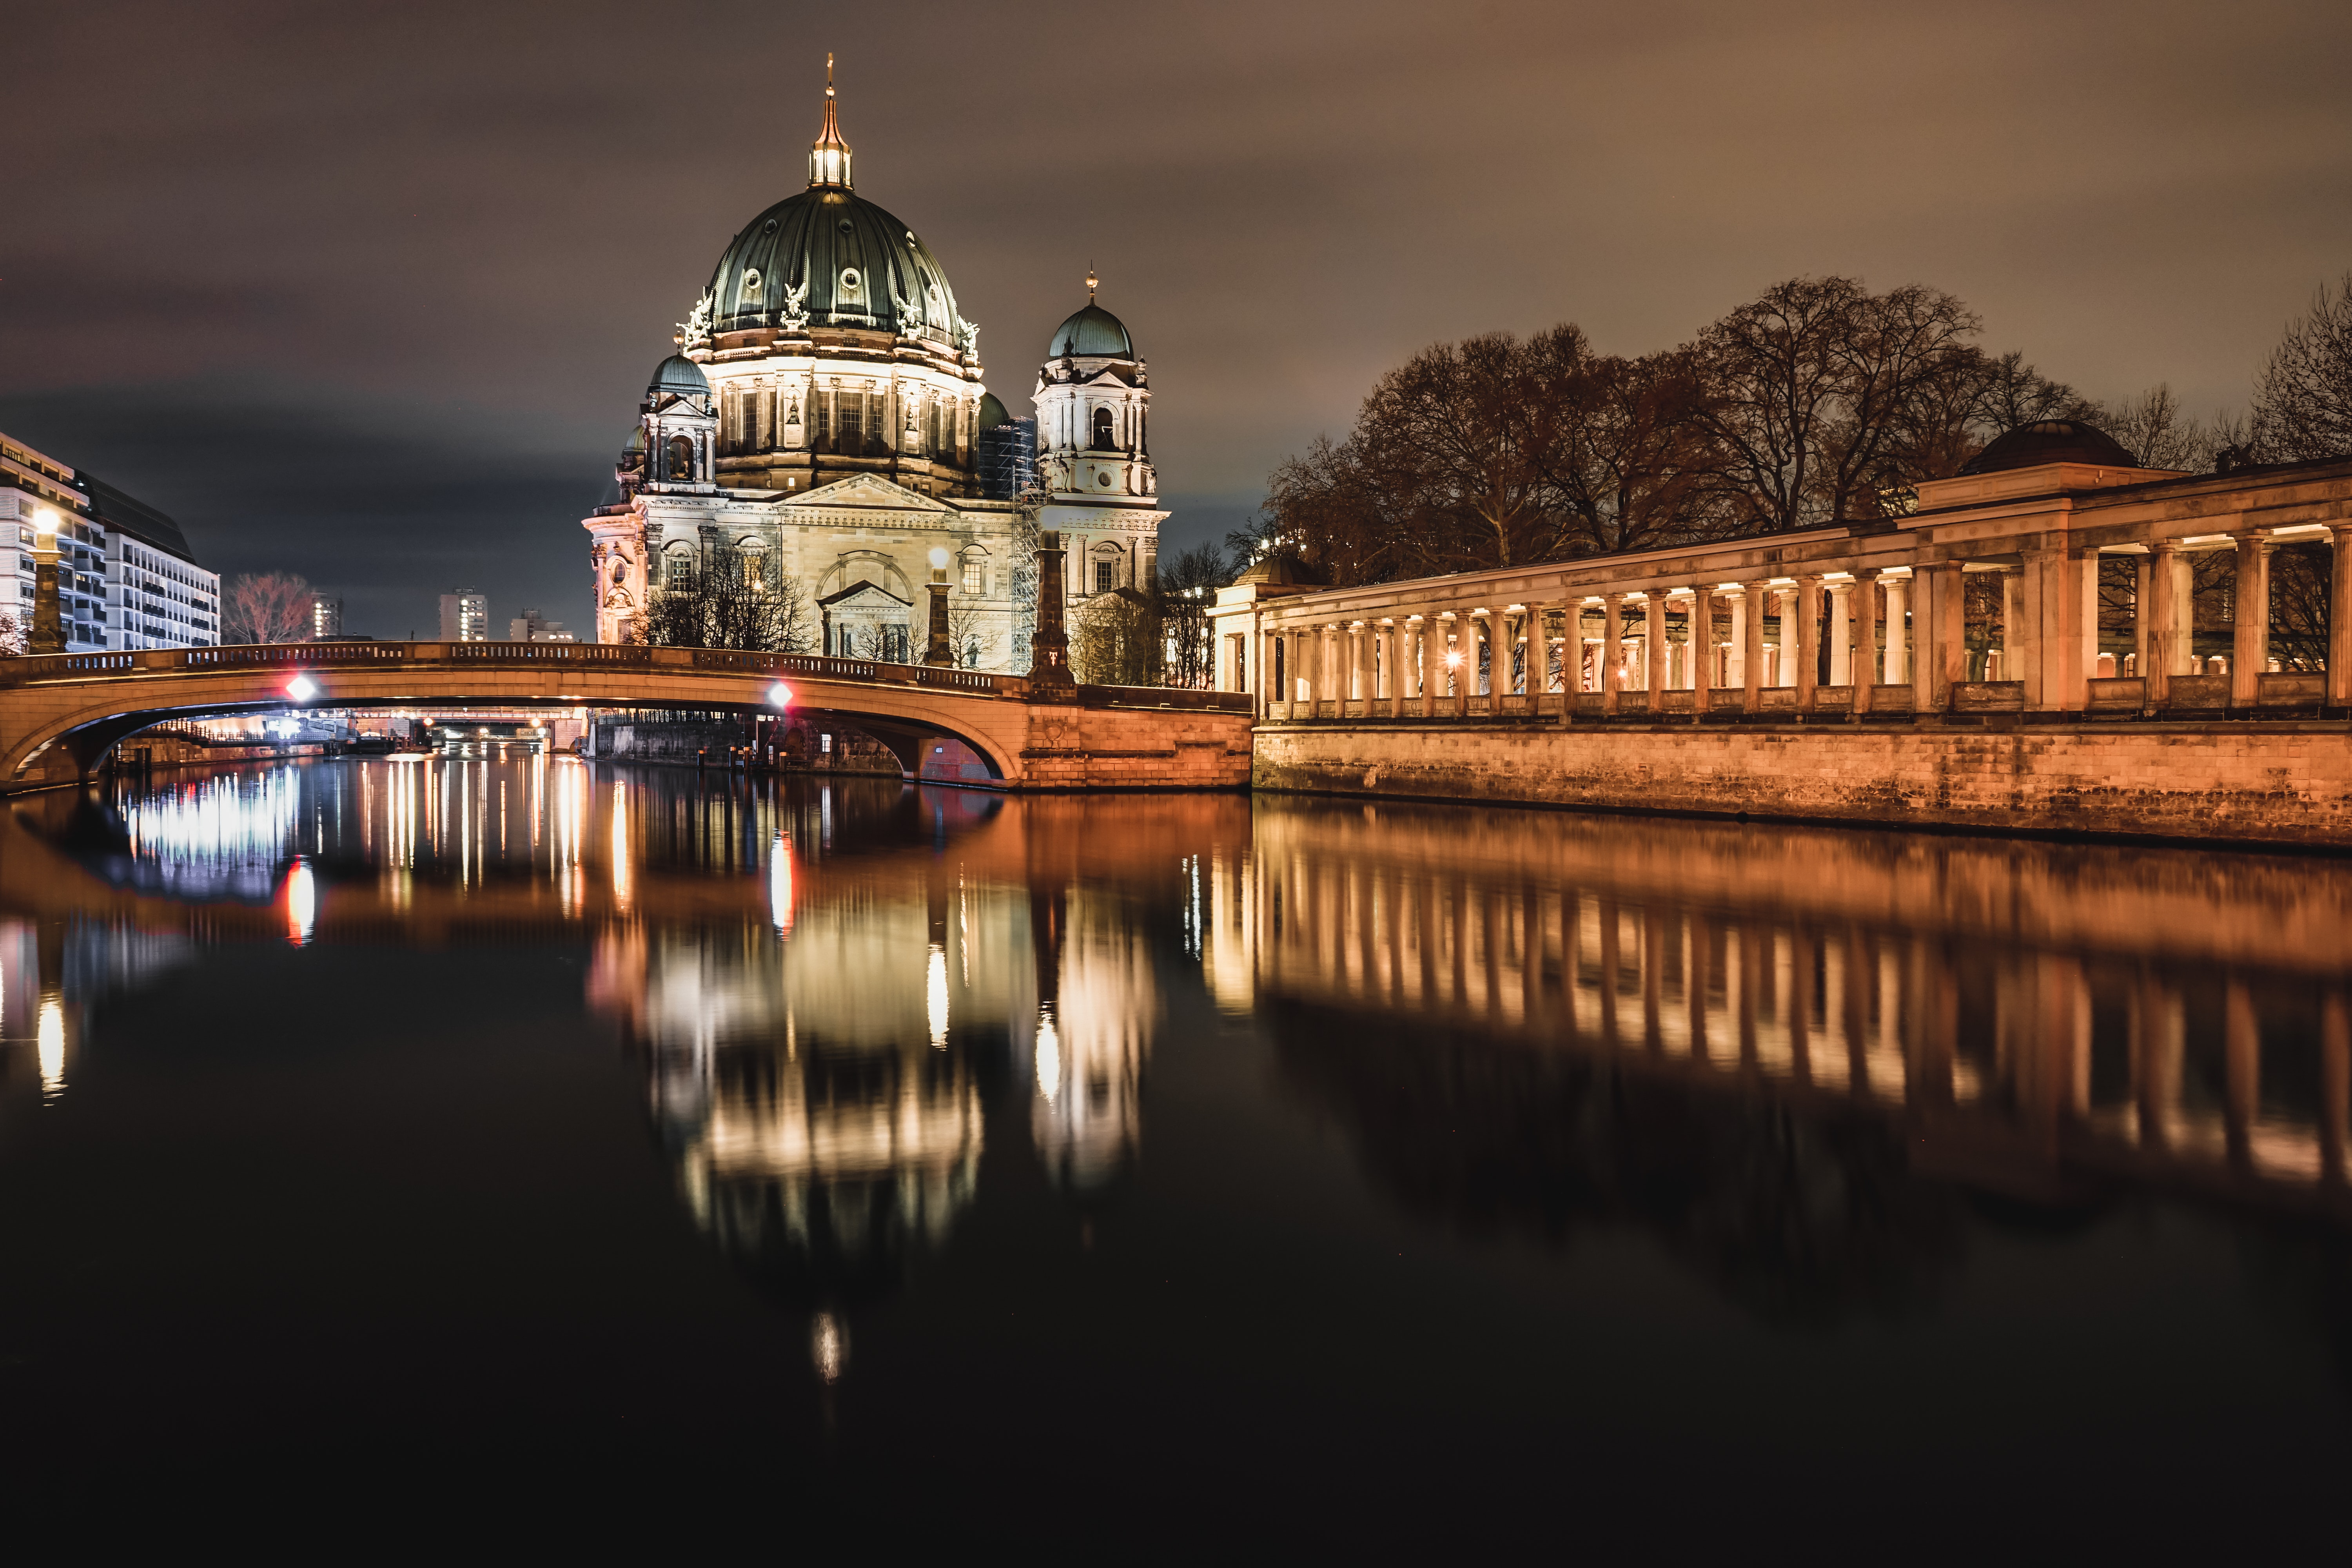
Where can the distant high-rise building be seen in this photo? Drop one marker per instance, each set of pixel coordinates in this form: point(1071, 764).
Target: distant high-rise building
point(326, 618)
point(126, 578)
point(465, 615)
point(530, 627)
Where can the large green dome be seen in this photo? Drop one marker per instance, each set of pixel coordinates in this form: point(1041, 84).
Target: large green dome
point(1093, 330)
point(843, 261)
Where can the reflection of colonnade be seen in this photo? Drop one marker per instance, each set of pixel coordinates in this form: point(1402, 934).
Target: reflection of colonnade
point(2010, 1057)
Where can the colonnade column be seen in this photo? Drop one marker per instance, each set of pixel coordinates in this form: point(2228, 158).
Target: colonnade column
point(1944, 669)
point(1478, 654)
point(1793, 608)
point(2250, 608)
point(2339, 615)
point(2168, 624)
point(1841, 633)
point(1751, 646)
point(1809, 641)
point(1538, 661)
point(1654, 646)
point(1613, 633)
point(1898, 668)
point(1360, 638)
point(2143, 580)
point(1698, 649)
point(2020, 649)
point(1458, 668)
point(1735, 657)
point(1865, 643)
point(1432, 665)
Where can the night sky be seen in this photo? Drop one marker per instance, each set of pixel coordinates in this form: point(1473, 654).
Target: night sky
point(370, 292)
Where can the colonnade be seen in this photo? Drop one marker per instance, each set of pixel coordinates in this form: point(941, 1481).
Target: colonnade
point(1860, 619)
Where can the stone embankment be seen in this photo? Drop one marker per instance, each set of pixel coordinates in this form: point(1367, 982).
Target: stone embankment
point(2287, 783)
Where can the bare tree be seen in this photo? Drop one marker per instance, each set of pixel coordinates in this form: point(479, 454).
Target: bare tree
point(1117, 640)
point(268, 607)
point(735, 598)
point(2154, 429)
point(1187, 592)
point(2302, 403)
point(971, 635)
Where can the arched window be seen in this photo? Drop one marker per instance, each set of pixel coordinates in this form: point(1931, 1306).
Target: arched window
point(678, 570)
point(1103, 422)
point(681, 458)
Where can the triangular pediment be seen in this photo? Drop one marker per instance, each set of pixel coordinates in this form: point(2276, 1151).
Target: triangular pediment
point(863, 595)
point(867, 490)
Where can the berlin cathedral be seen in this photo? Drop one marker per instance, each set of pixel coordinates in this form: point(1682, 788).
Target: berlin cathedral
point(826, 412)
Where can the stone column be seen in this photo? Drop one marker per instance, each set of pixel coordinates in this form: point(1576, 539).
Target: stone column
point(938, 647)
point(2167, 618)
point(1793, 608)
point(1571, 684)
point(2020, 647)
point(1457, 661)
point(2250, 608)
point(1613, 637)
point(2079, 659)
point(1654, 648)
point(1049, 646)
point(1898, 666)
point(1698, 649)
point(2142, 581)
point(2339, 615)
point(1359, 636)
point(1755, 595)
point(1841, 633)
point(1864, 604)
point(1946, 669)
point(1303, 690)
point(1809, 643)
point(1426, 664)
point(1735, 664)
point(1538, 657)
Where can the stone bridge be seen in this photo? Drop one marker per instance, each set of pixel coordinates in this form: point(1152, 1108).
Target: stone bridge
point(60, 714)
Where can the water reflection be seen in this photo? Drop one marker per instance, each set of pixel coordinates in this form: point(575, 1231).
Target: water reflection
point(1799, 1060)
point(2027, 1019)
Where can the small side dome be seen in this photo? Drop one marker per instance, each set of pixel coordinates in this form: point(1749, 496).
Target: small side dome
point(636, 446)
point(680, 376)
point(992, 412)
point(1093, 330)
point(2050, 441)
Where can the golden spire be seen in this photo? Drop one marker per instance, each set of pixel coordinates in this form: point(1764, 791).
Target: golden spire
point(829, 154)
point(1092, 282)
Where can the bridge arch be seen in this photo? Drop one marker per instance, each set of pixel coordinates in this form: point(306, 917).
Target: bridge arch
point(60, 714)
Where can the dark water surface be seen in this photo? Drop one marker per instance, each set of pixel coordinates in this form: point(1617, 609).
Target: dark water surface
point(418, 1143)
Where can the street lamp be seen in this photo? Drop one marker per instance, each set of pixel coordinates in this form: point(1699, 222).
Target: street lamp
point(938, 651)
point(49, 629)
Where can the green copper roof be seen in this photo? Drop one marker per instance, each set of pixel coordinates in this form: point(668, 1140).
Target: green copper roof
point(830, 257)
point(1093, 330)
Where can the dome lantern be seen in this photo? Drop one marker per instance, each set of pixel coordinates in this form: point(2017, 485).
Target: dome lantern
point(829, 154)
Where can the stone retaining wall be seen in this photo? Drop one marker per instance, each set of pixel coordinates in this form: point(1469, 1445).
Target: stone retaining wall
point(2280, 782)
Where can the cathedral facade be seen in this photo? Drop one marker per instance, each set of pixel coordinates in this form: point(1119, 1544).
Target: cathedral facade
point(824, 412)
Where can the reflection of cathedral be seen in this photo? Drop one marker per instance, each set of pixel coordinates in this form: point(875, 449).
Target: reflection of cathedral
point(1093, 1035)
point(825, 411)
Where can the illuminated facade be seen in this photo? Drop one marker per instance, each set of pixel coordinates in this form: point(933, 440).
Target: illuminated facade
point(826, 412)
point(126, 578)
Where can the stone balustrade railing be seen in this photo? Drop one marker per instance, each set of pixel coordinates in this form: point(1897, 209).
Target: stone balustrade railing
point(45, 669)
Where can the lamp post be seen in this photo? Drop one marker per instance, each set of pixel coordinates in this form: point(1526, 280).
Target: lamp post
point(938, 651)
point(49, 629)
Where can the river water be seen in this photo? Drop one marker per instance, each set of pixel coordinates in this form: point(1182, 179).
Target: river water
point(411, 1140)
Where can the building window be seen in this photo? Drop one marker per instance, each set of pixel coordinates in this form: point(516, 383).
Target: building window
point(679, 572)
point(1103, 442)
point(972, 584)
point(1103, 578)
point(681, 458)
